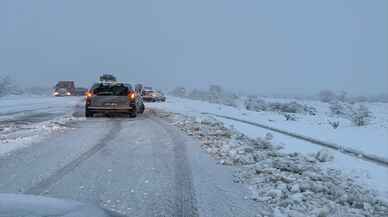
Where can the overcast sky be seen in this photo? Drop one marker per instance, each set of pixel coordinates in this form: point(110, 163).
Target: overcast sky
point(264, 46)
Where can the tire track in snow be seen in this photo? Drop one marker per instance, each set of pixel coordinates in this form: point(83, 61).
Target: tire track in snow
point(44, 185)
point(185, 200)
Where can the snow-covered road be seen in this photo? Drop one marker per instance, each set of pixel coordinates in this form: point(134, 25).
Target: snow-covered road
point(137, 167)
point(145, 166)
point(28, 119)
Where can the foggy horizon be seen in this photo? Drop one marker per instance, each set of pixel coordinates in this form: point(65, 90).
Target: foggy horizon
point(276, 47)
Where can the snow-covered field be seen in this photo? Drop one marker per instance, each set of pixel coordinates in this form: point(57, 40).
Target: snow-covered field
point(372, 138)
point(27, 119)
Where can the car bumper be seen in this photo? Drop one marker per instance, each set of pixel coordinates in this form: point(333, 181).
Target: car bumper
point(149, 99)
point(111, 109)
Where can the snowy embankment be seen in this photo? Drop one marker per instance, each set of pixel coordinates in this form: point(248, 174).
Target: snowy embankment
point(344, 149)
point(290, 184)
point(363, 172)
point(370, 139)
point(27, 119)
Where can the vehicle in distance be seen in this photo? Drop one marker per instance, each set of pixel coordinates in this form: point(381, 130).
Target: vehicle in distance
point(64, 88)
point(112, 98)
point(139, 100)
point(147, 94)
point(159, 95)
point(150, 95)
point(80, 91)
point(139, 88)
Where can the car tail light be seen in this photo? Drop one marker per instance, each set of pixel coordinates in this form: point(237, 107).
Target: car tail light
point(88, 94)
point(131, 95)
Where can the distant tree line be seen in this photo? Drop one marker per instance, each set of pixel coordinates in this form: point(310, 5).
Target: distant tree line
point(329, 96)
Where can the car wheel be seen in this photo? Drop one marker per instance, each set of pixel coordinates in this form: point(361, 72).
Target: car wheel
point(133, 114)
point(142, 109)
point(88, 113)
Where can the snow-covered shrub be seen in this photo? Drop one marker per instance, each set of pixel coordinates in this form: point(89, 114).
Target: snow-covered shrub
point(198, 95)
point(359, 99)
point(252, 103)
point(339, 108)
point(290, 117)
point(228, 102)
point(336, 108)
point(324, 155)
point(219, 96)
point(342, 96)
point(179, 92)
point(327, 96)
point(215, 94)
point(334, 124)
point(361, 116)
point(375, 98)
point(7, 86)
point(216, 90)
point(310, 110)
point(268, 136)
point(291, 107)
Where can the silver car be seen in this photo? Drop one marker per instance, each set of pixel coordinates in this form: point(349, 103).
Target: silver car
point(112, 97)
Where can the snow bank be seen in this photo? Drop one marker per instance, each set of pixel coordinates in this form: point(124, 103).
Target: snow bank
point(290, 183)
point(371, 139)
point(28, 119)
point(14, 135)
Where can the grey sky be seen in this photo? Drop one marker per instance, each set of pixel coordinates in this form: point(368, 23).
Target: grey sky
point(298, 46)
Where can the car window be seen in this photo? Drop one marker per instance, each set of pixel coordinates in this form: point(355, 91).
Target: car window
point(129, 86)
point(111, 90)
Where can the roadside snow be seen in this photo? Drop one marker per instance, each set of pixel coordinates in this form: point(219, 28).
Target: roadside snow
point(28, 119)
point(365, 173)
point(295, 184)
point(370, 139)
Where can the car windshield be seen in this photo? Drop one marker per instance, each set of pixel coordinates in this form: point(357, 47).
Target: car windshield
point(63, 85)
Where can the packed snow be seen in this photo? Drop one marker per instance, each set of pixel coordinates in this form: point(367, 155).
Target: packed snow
point(27, 119)
point(372, 138)
point(295, 184)
point(287, 174)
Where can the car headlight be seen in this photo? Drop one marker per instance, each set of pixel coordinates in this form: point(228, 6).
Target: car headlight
point(68, 93)
point(56, 93)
